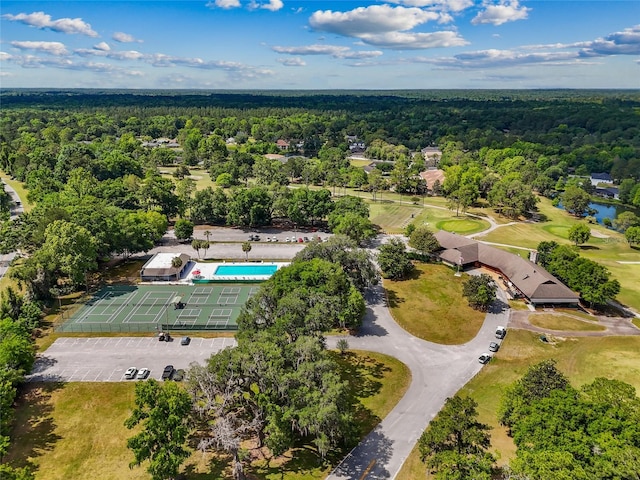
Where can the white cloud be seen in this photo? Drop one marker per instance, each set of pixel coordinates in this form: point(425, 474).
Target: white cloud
point(114, 54)
point(122, 37)
point(5, 74)
point(291, 62)
point(447, 5)
point(4, 56)
point(104, 46)
point(626, 42)
point(334, 51)
point(408, 40)
point(52, 48)
point(374, 19)
point(273, 5)
point(43, 21)
point(224, 4)
point(503, 12)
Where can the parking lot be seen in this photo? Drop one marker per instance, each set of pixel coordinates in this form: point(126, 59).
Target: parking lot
point(107, 359)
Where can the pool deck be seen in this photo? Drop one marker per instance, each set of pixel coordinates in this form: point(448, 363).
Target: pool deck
point(207, 271)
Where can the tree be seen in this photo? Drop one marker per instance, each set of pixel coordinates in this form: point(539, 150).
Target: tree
point(71, 248)
point(626, 220)
point(198, 244)
point(183, 229)
point(575, 200)
point(538, 382)
point(480, 291)
point(209, 206)
point(355, 227)
point(579, 234)
point(246, 248)
point(342, 345)
point(393, 260)
point(632, 235)
point(176, 262)
point(308, 297)
point(455, 444)
point(163, 410)
point(355, 262)
point(423, 240)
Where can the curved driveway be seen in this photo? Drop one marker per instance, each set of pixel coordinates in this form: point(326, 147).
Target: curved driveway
point(438, 372)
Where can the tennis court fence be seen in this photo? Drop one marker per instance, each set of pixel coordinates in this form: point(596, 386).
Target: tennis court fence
point(139, 328)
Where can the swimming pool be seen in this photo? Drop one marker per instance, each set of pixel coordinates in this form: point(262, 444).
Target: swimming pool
point(245, 270)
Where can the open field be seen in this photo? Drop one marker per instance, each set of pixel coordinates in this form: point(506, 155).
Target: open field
point(606, 251)
point(63, 431)
point(561, 322)
point(430, 306)
point(581, 359)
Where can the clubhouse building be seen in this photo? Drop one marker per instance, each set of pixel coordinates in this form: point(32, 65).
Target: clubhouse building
point(522, 277)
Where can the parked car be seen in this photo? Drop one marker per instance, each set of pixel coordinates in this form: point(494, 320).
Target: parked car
point(185, 341)
point(493, 346)
point(484, 358)
point(501, 332)
point(130, 373)
point(300, 240)
point(286, 239)
point(143, 373)
point(274, 239)
point(178, 376)
point(167, 373)
point(306, 239)
point(256, 238)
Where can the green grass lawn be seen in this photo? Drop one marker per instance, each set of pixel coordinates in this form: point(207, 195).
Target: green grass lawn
point(430, 306)
point(561, 322)
point(76, 430)
point(581, 359)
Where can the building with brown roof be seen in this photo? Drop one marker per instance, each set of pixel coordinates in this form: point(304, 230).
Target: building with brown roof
point(526, 278)
point(430, 176)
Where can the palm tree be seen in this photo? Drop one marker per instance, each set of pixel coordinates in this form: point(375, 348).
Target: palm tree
point(176, 262)
point(246, 248)
point(207, 233)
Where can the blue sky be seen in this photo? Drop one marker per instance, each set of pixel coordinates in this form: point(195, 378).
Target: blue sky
point(287, 44)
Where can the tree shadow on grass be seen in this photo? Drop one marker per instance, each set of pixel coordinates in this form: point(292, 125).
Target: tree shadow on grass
point(33, 427)
point(589, 247)
point(394, 299)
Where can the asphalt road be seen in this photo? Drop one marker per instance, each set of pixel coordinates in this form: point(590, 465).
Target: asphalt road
point(438, 372)
point(16, 210)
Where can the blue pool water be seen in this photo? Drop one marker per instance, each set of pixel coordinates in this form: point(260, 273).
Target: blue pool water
point(244, 270)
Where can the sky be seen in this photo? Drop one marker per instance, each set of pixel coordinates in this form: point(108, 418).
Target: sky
point(312, 45)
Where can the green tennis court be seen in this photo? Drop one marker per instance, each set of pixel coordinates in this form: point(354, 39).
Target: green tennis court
point(150, 308)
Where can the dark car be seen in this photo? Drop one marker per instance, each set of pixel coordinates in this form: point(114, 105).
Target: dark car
point(493, 346)
point(484, 358)
point(185, 341)
point(167, 373)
